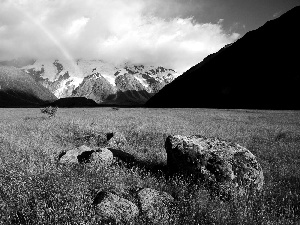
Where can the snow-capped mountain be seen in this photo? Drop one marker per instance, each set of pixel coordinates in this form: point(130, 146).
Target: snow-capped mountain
point(100, 81)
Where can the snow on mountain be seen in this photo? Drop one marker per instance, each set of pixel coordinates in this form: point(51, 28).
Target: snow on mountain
point(66, 87)
point(95, 87)
point(110, 79)
point(99, 80)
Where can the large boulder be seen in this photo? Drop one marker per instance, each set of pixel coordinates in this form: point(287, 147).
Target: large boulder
point(156, 205)
point(227, 167)
point(115, 209)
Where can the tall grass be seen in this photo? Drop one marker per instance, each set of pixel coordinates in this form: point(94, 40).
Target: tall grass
point(36, 189)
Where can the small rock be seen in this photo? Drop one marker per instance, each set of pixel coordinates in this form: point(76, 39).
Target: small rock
point(102, 156)
point(114, 208)
point(155, 205)
point(226, 166)
point(116, 140)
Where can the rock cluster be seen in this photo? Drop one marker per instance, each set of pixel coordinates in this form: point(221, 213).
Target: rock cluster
point(101, 155)
point(154, 205)
point(225, 168)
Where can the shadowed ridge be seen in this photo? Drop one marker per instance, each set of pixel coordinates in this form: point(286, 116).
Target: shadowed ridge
point(129, 98)
point(74, 102)
point(258, 71)
point(17, 89)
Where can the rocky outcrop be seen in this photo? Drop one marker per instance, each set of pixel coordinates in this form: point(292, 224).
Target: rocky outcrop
point(156, 205)
point(226, 167)
point(115, 209)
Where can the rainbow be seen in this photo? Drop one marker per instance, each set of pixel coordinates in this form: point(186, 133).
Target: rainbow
point(53, 39)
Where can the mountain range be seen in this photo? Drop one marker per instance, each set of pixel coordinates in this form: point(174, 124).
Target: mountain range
point(102, 82)
point(258, 71)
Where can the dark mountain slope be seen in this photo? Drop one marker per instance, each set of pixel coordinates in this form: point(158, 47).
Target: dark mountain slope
point(74, 102)
point(259, 71)
point(17, 89)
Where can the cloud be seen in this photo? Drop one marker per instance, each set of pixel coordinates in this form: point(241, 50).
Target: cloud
point(114, 30)
point(77, 26)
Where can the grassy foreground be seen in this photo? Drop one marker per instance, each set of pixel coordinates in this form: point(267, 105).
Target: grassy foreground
point(35, 189)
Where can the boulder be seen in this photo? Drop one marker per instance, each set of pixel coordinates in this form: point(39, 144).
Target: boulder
point(115, 209)
point(116, 140)
point(76, 155)
point(84, 154)
point(102, 156)
point(155, 205)
point(227, 167)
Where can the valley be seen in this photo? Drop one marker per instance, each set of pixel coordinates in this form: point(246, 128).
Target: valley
point(99, 123)
point(40, 189)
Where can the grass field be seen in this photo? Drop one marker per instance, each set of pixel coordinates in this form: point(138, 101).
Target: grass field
point(35, 189)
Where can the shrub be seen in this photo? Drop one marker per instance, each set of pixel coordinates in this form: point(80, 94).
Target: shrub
point(49, 110)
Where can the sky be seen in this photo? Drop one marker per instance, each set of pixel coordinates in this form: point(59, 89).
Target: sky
point(175, 34)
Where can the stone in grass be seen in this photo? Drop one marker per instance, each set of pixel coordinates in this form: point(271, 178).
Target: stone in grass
point(102, 156)
point(114, 208)
point(84, 154)
point(227, 167)
point(116, 140)
point(156, 205)
point(76, 155)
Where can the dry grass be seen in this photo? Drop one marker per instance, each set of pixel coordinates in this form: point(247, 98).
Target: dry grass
point(35, 189)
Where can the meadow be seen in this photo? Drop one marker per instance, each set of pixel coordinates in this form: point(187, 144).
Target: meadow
point(36, 189)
